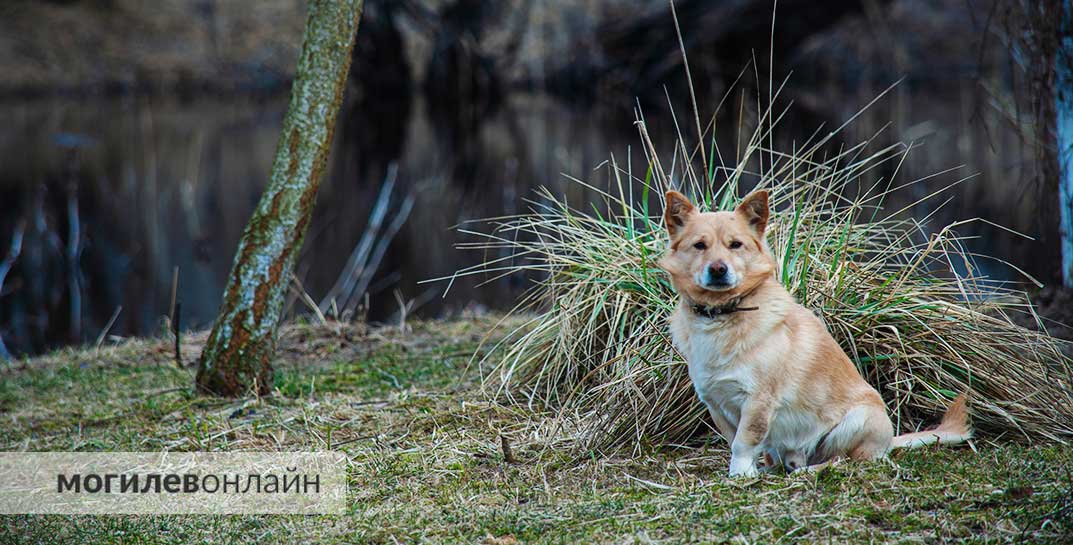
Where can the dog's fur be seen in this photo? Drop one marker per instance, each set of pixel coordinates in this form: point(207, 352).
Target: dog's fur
point(776, 383)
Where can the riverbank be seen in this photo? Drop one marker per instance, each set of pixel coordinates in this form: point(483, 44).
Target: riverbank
point(428, 462)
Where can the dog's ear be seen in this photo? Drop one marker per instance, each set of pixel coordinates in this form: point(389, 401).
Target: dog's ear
point(677, 211)
point(754, 209)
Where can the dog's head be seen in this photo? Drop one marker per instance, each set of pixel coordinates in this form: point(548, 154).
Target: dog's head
point(716, 257)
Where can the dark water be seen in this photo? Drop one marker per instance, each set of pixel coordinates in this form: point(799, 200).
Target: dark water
point(159, 185)
point(150, 186)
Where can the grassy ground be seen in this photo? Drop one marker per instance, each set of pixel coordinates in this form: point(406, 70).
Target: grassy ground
point(428, 463)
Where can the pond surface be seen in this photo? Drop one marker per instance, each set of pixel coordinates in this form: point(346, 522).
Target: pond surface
point(154, 188)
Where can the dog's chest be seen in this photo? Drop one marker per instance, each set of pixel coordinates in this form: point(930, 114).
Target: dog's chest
point(714, 354)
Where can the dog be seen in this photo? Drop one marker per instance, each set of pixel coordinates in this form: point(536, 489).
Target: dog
point(776, 383)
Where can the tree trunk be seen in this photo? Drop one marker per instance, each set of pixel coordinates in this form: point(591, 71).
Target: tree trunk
point(1063, 108)
point(237, 357)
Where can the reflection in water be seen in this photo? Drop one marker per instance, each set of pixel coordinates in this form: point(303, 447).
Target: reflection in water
point(115, 195)
point(150, 186)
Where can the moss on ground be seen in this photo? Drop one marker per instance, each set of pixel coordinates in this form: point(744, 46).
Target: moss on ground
point(427, 463)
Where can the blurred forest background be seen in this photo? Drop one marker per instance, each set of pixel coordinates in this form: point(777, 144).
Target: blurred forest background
point(136, 137)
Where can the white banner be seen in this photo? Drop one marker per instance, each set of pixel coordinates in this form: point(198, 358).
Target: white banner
point(172, 483)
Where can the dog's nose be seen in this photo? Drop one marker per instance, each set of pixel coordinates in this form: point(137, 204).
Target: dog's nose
point(717, 270)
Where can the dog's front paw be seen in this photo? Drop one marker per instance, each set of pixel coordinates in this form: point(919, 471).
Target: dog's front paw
point(742, 468)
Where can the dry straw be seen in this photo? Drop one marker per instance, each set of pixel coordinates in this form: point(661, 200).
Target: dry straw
point(907, 303)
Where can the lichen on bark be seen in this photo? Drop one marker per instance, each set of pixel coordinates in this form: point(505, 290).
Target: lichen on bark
point(237, 357)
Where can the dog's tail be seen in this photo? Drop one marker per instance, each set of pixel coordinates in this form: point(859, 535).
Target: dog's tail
point(952, 430)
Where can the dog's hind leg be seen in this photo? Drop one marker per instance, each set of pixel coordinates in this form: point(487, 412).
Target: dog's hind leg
point(794, 460)
point(864, 433)
point(874, 439)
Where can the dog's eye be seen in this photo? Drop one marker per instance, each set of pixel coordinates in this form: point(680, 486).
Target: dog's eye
point(735, 244)
point(700, 245)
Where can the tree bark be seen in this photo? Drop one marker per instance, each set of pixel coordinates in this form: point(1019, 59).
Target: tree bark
point(1063, 107)
point(1040, 33)
point(237, 357)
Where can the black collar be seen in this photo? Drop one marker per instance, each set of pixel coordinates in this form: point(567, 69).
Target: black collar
point(720, 310)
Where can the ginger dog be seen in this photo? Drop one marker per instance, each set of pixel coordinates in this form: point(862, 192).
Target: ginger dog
point(776, 383)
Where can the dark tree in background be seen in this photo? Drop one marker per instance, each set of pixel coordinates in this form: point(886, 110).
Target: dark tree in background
point(1042, 41)
point(237, 357)
point(1063, 95)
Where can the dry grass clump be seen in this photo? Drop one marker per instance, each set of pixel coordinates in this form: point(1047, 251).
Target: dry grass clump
point(908, 304)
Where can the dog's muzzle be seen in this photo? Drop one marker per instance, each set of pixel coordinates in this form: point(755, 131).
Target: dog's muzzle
point(717, 276)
